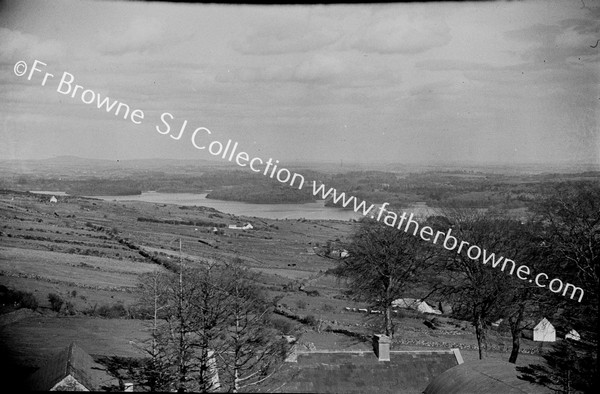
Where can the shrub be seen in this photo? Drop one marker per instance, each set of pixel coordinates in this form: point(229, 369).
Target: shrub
point(70, 308)
point(285, 326)
point(112, 311)
point(310, 320)
point(20, 299)
point(28, 300)
point(328, 308)
point(56, 302)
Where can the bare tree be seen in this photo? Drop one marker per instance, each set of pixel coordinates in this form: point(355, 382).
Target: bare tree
point(477, 291)
point(186, 316)
point(384, 263)
point(212, 312)
point(252, 349)
point(157, 373)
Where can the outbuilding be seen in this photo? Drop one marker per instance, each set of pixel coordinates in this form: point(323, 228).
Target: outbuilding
point(544, 331)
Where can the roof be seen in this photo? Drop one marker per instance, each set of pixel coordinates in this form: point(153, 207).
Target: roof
point(72, 360)
point(412, 303)
point(486, 376)
point(544, 324)
point(361, 371)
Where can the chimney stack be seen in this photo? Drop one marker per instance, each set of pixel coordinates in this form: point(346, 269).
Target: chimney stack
point(381, 346)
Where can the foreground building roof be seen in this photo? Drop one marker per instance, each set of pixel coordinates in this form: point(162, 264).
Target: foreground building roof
point(322, 371)
point(66, 371)
point(487, 376)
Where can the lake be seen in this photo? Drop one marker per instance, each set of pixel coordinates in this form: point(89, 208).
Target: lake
point(315, 210)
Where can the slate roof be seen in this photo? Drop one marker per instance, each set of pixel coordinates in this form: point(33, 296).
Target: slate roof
point(72, 360)
point(486, 376)
point(361, 371)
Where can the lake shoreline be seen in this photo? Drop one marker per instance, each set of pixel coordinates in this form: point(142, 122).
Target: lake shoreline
point(310, 210)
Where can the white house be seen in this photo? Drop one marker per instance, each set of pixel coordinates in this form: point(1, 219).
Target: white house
point(544, 332)
point(415, 304)
point(497, 323)
point(53, 200)
point(246, 226)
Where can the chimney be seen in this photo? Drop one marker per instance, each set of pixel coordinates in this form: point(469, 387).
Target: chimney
point(381, 346)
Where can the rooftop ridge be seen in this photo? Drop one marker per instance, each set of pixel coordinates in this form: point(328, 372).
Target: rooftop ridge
point(293, 356)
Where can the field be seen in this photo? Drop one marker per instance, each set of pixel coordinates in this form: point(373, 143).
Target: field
point(92, 252)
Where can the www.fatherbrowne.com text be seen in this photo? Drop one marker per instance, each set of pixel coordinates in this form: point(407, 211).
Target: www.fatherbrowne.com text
point(229, 151)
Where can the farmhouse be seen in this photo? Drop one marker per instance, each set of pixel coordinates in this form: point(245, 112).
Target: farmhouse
point(415, 304)
point(339, 253)
point(246, 226)
point(379, 371)
point(53, 200)
point(544, 331)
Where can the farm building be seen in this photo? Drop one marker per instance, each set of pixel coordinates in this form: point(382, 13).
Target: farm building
point(53, 200)
point(484, 376)
point(379, 371)
point(574, 335)
point(415, 304)
point(339, 253)
point(544, 331)
point(66, 371)
point(246, 226)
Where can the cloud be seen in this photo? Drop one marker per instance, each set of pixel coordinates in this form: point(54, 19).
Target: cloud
point(15, 45)
point(556, 44)
point(286, 35)
point(142, 34)
point(452, 65)
point(319, 68)
point(401, 34)
point(323, 69)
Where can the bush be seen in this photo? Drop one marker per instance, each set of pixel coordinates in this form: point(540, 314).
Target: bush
point(286, 327)
point(70, 309)
point(328, 308)
point(20, 299)
point(112, 311)
point(56, 302)
point(28, 300)
point(310, 320)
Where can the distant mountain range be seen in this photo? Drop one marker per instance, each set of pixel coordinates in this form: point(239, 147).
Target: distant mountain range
point(75, 162)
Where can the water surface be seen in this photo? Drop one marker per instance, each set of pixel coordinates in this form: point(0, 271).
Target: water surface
point(314, 210)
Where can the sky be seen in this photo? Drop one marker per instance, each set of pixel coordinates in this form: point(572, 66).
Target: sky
point(492, 82)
